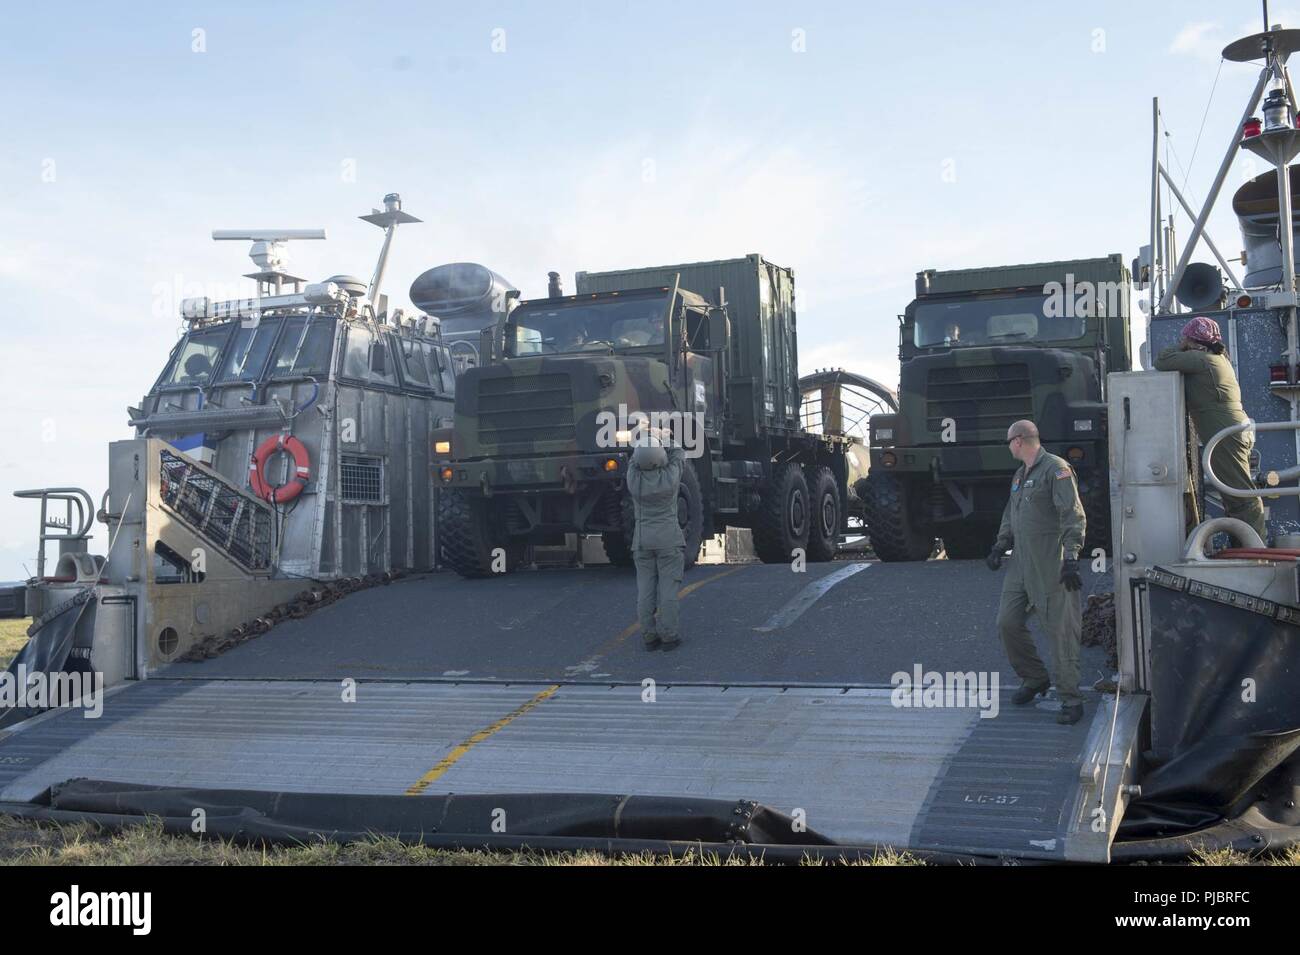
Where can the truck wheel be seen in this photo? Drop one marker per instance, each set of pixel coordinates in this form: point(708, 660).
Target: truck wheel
point(892, 536)
point(690, 513)
point(783, 517)
point(1094, 494)
point(618, 544)
point(824, 528)
point(465, 534)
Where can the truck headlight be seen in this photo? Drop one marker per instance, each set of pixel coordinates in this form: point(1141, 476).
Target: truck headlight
point(442, 447)
point(622, 437)
point(885, 434)
point(1083, 424)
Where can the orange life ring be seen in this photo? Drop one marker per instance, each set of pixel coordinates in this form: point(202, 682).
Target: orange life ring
point(301, 465)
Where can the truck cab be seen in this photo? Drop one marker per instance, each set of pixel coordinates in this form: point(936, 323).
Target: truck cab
point(980, 349)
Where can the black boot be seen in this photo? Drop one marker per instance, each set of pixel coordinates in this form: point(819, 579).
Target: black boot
point(1070, 713)
point(1027, 692)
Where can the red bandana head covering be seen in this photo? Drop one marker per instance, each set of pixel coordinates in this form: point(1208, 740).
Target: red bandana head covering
point(1203, 330)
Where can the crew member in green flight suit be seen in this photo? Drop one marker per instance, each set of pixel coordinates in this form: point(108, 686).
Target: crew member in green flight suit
point(1043, 526)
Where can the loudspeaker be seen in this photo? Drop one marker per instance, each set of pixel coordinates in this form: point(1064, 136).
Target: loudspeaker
point(1201, 287)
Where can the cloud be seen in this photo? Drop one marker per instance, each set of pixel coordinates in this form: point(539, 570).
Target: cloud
point(1198, 39)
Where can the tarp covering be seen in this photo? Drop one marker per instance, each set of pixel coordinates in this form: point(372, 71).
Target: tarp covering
point(1225, 714)
point(287, 817)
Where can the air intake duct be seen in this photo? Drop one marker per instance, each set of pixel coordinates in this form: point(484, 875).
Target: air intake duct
point(466, 296)
point(1255, 204)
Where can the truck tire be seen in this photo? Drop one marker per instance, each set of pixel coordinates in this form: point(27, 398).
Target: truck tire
point(690, 513)
point(690, 516)
point(465, 533)
point(827, 514)
point(618, 544)
point(1094, 494)
point(781, 525)
point(892, 536)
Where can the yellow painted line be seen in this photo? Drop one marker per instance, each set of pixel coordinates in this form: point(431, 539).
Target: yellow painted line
point(459, 751)
point(634, 627)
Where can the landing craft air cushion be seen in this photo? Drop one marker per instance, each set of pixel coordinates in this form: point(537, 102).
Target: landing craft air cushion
point(778, 728)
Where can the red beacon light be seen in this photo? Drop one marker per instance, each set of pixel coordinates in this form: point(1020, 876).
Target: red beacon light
point(1277, 374)
point(1252, 128)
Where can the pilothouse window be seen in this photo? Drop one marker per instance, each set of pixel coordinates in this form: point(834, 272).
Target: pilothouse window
point(360, 361)
point(413, 366)
point(304, 348)
point(247, 357)
point(198, 356)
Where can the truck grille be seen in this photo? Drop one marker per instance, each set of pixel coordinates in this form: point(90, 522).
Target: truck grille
point(516, 412)
point(978, 397)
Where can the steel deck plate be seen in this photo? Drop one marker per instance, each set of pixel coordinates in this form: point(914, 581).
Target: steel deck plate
point(864, 771)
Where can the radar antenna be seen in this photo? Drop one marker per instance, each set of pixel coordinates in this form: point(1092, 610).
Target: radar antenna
point(269, 254)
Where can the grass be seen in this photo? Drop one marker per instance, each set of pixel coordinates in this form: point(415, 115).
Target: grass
point(27, 843)
point(23, 842)
point(1218, 857)
point(13, 636)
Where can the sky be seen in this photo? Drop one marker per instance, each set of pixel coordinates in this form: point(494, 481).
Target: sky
point(855, 142)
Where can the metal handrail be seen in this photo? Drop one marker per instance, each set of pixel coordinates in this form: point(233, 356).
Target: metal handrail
point(70, 496)
point(1249, 425)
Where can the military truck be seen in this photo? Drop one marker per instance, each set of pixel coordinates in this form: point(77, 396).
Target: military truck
point(978, 350)
point(544, 427)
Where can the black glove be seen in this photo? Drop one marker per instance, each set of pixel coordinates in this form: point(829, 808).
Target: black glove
point(1070, 574)
point(995, 557)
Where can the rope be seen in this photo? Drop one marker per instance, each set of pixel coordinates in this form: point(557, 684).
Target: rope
point(1204, 115)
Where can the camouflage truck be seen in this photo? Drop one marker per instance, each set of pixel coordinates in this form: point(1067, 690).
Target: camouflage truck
point(980, 349)
point(543, 429)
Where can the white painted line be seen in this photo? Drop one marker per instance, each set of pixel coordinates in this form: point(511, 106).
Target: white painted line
point(810, 594)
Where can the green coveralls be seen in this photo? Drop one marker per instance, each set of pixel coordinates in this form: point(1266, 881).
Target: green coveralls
point(658, 546)
point(1214, 402)
point(1043, 524)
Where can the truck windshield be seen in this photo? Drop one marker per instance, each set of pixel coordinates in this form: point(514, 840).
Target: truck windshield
point(990, 321)
point(569, 327)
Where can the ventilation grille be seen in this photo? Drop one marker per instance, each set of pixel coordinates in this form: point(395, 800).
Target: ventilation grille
point(361, 479)
point(978, 397)
point(515, 412)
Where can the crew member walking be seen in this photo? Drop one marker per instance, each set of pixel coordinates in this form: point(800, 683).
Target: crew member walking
point(1043, 525)
point(1214, 401)
point(658, 545)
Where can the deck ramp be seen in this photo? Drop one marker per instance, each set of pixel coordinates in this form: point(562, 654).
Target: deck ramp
point(863, 771)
